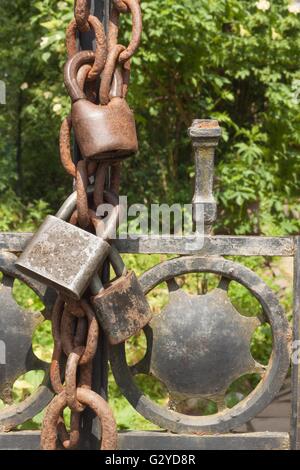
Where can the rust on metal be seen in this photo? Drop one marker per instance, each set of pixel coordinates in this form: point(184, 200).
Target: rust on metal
point(106, 228)
point(108, 73)
point(70, 440)
point(82, 201)
point(106, 133)
point(65, 148)
point(109, 435)
point(126, 70)
point(72, 81)
point(71, 380)
point(101, 46)
point(122, 308)
point(121, 6)
point(74, 307)
point(67, 333)
point(86, 397)
point(102, 132)
point(82, 13)
point(113, 29)
point(115, 179)
point(137, 27)
point(92, 336)
point(85, 379)
point(100, 184)
point(55, 367)
point(51, 418)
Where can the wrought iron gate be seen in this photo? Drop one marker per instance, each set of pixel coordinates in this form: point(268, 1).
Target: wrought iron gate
point(196, 346)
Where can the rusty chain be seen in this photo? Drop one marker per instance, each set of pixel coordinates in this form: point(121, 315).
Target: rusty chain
point(109, 56)
point(75, 329)
point(81, 15)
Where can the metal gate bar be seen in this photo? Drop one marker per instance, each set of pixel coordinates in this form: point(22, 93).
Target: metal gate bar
point(213, 245)
point(295, 423)
point(219, 245)
point(158, 440)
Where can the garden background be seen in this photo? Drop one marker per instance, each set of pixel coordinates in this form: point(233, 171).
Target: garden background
point(232, 60)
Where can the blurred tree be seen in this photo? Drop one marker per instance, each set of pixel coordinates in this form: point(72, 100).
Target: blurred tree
point(233, 60)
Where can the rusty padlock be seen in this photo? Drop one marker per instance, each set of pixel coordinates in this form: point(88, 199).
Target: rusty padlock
point(62, 255)
point(121, 306)
point(103, 132)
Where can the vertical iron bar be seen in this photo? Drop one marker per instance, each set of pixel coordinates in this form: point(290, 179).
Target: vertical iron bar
point(91, 432)
point(295, 412)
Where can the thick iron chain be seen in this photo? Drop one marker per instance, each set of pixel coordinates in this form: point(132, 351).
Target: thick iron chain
point(74, 326)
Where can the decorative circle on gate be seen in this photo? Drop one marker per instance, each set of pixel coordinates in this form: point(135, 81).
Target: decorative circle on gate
point(199, 344)
point(16, 329)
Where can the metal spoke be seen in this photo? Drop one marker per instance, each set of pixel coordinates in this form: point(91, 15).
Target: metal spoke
point(34, 363)
point(221, 402)
point(144, 365)
point(224, 283)
point(262, 317)
point(260, 368)
point(172, 285)
point(8, 281)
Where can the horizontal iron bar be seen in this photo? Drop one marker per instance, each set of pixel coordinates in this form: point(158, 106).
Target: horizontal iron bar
point(221, 245)
point(211, 245)
point(158, 440)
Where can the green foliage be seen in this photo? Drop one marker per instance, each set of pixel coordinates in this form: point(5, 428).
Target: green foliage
point(17, 216)
point(222, 59)
point(25, 297)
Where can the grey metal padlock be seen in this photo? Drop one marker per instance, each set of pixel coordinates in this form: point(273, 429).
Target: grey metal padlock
point(62, 255)
point(121, 305)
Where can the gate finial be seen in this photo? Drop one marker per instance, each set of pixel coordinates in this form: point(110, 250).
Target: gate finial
point(205, 134)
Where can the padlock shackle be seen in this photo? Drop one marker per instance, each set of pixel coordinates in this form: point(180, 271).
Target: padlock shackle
point(68, 207)
point(112, 83)
point(70, 73)
point(117, 262)
point(96, 285)
point(65, 212)
point(116, 89)
point(115, 259)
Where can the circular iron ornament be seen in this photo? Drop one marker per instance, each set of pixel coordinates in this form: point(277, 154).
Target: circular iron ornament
point(17, 326)
point(272, 378)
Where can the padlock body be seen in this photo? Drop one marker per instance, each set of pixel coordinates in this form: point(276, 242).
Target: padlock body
point(63, 256)
point(122, 308)
point(104, 132)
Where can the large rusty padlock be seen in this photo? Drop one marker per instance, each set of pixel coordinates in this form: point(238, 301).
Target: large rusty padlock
point(121, 306)
point(106, 131)
point(62, 255)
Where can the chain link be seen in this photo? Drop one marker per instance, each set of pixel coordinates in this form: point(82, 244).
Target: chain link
point(82, 13)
